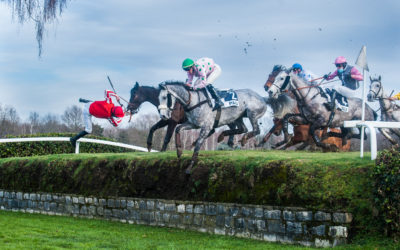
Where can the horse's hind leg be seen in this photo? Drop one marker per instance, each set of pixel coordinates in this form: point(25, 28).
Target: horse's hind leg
point(160, 124)
point(170, 130)
point(240, 129)
point(204, 131)
point(178, 143)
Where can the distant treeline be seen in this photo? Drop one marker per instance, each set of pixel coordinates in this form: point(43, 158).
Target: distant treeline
point(70, 121)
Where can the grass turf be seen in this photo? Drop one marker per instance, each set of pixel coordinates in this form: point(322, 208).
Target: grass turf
point(301, 158)
point(34, 231)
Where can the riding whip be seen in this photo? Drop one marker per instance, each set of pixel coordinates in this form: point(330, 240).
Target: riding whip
point(112, 86)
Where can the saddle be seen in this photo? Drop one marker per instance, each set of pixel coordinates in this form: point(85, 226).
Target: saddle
point(228, 97)
point(341, 102)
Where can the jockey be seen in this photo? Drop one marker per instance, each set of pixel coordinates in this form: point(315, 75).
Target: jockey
point(349, 77)
point(100, 109)
point(306, 75)
point(207, 72)
point(396, 96)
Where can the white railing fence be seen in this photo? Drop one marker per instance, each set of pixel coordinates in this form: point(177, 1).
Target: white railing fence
point(116, 144)
point(371, 125)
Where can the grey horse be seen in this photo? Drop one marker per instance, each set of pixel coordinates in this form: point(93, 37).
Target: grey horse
point(390, 112)
point(200, 114)
point(310, 101)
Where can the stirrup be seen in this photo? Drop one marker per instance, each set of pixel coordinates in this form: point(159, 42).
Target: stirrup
point(328, 106)
point(218, 105)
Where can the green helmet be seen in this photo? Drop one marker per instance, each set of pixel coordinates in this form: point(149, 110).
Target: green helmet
point(187, 63)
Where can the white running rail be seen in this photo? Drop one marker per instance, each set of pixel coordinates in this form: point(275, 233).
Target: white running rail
point(116, 144)
point(371, 125)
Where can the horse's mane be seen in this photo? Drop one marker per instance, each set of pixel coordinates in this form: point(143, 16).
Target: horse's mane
point(172, 82)
point(278, 68)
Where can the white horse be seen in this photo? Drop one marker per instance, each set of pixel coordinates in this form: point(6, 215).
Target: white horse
point(390, 112)
point(201, 116)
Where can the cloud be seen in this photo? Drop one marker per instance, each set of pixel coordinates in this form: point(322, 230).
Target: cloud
point(146, 41)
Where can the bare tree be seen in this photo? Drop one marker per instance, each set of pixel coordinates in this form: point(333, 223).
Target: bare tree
point(9, 120)
point(72, 118)
point(50, 123)
point(38, 11)
point(34, 122)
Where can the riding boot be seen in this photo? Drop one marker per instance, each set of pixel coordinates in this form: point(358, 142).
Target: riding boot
point(214, 94)
point(331, 105)
point(208, 97)
point(76, 137)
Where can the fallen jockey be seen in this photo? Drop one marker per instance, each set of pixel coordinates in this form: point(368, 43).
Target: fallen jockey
point(99, 109)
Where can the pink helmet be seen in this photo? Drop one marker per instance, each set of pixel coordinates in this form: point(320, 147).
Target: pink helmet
point(118, 111)
point(340, 59)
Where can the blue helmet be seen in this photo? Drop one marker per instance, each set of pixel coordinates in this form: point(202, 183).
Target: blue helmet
point(297, 66)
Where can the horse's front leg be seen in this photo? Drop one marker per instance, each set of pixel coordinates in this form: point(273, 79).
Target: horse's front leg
point(267, 136)
point(160, 124)
point(170, 130)
point(385, 133)
point(313, 132)
point(204, 131)
point(256, 129)
point(178, 143)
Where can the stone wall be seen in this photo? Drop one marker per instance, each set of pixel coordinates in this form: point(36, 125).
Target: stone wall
point(269, 223)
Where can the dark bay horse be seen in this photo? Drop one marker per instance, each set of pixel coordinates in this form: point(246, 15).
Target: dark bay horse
point(141, 94)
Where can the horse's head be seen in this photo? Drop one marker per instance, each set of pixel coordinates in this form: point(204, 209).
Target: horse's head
point(375, 89)
point(136, 99)
point(167, 102)
point(271, 77)
point(279, 84)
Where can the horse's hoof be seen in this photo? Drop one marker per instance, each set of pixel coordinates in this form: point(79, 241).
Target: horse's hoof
point(179, 153)
point(149, 147)
point(243, 141)
point(188, 171)
point(220, 138)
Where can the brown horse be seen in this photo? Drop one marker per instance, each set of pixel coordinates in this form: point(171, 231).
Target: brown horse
point(300, 125)
point(141, 94)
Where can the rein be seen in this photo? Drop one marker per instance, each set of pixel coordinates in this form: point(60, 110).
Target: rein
point(307, 87)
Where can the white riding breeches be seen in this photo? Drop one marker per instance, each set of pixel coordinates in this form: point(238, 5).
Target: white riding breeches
point(87, 118)
point(214, 75)
point(344, 91)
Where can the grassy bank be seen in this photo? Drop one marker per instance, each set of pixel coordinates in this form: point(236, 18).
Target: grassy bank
point(327, 181)
point(33, 231)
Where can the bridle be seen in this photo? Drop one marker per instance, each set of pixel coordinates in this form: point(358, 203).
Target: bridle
point(376, 94)
point(185, 105)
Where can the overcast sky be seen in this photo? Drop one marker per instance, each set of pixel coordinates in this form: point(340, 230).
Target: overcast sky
point(146, 41)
